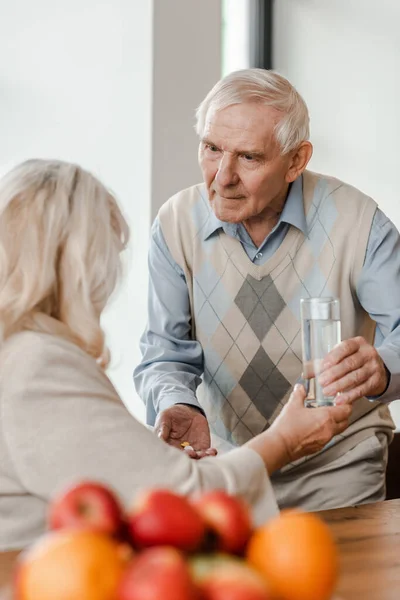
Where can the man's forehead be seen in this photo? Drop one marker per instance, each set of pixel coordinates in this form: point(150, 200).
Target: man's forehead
point(250, 123)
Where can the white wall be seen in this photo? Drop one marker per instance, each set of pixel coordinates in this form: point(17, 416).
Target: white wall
point(344, 58)
point(112, 85)
point(187, 63)
point(75, 83)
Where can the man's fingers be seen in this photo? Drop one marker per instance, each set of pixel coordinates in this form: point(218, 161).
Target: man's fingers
point(349, 381)
point(163, 430)
point(341, 351)
point(208, 452)
point(352, 395)
point(191, 452)
point(197, 454)
point(349, 365)
point(211, 452)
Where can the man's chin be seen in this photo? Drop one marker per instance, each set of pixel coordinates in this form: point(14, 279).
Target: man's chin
point(227, 214)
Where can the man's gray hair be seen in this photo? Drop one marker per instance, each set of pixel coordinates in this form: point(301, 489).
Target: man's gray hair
point(264, 87)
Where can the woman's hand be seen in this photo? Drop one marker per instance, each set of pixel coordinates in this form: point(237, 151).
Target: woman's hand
point(307, 430)
point(299, 431)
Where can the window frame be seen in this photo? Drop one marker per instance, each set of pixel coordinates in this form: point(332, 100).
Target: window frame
point(261, 35)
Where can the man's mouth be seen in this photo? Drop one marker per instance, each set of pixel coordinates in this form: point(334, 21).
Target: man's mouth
point(229, 197)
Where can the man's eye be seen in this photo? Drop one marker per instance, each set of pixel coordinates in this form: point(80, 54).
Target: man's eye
point(211, 148)
point(248, 157)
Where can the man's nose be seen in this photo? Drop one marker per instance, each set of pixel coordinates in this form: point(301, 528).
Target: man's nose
point(226, 174)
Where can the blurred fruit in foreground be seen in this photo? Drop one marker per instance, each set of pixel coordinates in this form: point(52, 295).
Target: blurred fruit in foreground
point(228, 517)
point(87, 505)
point(225, 577)
point(157, 574)
point(94, 554)
point(162, 518)
point(70, 565)
point(297, 555)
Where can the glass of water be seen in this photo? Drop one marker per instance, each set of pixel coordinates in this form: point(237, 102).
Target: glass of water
point(320, 330)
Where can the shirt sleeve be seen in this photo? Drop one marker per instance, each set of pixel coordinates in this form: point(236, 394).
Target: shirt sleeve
point(172, 362)
point(63, 421)
point(378, 291)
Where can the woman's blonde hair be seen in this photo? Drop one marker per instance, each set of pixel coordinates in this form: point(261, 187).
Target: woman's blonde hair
point(264, 87)
point(61, 234)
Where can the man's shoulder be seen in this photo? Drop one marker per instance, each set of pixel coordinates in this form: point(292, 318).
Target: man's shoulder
point(318, 188)
point(326, 185)
point(186, 199)
point(189, 208)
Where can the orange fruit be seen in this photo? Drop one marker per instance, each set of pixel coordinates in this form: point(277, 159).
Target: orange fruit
point(67, 565)
point(297, 555)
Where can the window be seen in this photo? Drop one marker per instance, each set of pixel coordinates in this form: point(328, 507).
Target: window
point(236, 51)
point(246, 34)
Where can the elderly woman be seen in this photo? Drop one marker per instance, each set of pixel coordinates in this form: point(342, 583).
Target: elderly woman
point(61, 236)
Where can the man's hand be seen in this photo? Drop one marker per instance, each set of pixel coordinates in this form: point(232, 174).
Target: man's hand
point(353, 369)
point(183, 423)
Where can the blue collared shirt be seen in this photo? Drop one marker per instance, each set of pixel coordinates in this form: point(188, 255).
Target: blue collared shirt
point(172, 362)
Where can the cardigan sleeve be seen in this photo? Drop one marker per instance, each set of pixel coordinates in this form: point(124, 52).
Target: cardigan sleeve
point(63, 421)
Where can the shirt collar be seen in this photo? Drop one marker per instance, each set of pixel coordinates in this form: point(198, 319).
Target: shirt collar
point(292, 213)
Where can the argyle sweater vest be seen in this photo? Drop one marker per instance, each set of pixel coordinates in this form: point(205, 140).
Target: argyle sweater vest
point(247, 317)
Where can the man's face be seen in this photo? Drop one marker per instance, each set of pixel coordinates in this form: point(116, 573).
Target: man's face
point(245, 174)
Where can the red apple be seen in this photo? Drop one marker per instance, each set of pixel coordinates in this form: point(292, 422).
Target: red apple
point(228, 517)
point(223, 577)
point(162, 518)
point(86, 505)
point(157, 574)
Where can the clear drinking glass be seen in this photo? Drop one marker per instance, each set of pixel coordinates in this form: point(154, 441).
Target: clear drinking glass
point(320, 330)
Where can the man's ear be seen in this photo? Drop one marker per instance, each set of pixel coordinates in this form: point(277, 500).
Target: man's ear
point(299, 160)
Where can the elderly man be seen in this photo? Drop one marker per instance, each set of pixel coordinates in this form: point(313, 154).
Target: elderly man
point(229, 261)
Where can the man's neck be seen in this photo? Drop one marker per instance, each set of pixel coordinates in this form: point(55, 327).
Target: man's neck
point(261, 225)
point(258, 228)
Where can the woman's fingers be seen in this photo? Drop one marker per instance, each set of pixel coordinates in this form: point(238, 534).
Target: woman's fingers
point(340, 412)
point(341, 426)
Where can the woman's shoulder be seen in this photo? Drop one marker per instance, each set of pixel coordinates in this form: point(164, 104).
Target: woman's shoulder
point(35, 347)
point(32, 356)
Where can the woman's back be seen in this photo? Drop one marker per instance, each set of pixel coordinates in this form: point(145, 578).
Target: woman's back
point(46, 386)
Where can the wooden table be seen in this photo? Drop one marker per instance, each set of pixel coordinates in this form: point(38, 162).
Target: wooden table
point(369, 543)
point(7, 560)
